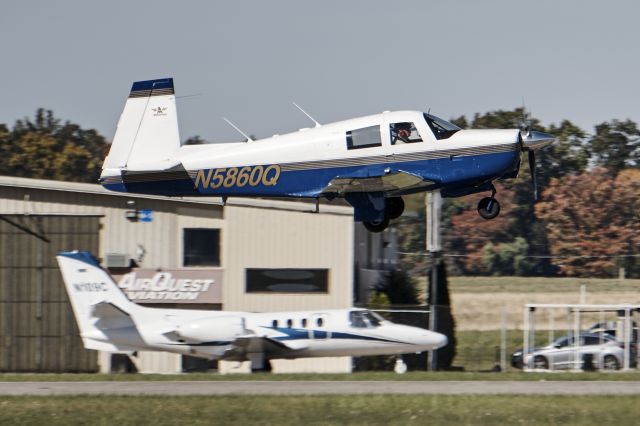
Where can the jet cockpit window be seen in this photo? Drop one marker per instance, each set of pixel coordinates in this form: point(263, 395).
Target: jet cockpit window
point(366, 137)
point(364, 319)
point(404, 133)
point(441, 129)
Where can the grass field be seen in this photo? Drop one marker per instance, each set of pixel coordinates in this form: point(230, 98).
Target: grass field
point(538, 285)
point(321, 410)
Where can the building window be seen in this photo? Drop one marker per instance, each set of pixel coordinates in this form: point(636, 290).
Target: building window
point(366, 137)
point(287, 280)
point(201, 247)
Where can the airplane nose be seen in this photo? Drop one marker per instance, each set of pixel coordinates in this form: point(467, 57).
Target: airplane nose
point(433, 340)
point(532, 140)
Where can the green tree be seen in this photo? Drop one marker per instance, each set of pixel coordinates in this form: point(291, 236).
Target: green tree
point(399, 287)
point(5, 149)
point(616, 145)
point(46, 149)
point(568, 154)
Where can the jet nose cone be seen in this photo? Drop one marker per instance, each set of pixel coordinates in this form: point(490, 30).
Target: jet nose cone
point(533, 140)
point(441, 340)
point(434, 340)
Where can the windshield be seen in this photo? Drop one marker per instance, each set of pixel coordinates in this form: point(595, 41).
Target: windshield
point(442, 129)
point(364, 319)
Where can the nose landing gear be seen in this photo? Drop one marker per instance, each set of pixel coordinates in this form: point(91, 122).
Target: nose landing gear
point(400, 367)
point(489, 207)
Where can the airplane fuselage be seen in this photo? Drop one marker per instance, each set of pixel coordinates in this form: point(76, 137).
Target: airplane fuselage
point(304, 163)
point(370, 161)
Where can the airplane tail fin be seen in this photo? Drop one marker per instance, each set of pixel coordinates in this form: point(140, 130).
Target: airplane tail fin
point(147, 132)
point(103, 312)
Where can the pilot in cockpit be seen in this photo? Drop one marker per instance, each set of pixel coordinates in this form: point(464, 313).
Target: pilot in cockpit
point(401, 133)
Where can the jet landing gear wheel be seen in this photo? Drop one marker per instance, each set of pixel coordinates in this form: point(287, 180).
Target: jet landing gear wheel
point(394, 207)
point(400, 367)
point(488, 208)
point(378, 225)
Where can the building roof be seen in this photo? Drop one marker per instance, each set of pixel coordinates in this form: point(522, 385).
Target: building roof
point(96, 189)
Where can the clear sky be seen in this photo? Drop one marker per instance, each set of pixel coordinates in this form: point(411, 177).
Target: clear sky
point(248, 60)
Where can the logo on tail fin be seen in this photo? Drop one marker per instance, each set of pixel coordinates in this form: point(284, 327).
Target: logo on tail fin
point(159, 111)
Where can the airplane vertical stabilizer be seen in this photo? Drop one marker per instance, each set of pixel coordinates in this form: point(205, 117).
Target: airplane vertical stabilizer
point(147, 133)
point(103, 312)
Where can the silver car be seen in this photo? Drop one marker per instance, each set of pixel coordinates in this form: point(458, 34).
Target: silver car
point(594, 350)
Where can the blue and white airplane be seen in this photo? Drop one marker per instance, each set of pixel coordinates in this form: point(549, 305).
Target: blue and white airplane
point(109, 321)
point(370, 161)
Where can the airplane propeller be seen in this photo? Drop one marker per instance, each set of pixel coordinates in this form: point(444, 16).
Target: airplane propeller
point(531, 142)
point(532, 169)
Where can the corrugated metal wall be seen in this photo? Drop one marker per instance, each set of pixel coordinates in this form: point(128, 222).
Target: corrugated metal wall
point(38, 332)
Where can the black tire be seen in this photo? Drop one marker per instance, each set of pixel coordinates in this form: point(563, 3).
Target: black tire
point(394, 207)
point(378, 226)
point(610, 363)
point(540, 363)
point(483, 208)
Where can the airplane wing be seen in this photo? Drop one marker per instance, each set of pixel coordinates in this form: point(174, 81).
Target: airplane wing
point(392, 182)
point(271, 347)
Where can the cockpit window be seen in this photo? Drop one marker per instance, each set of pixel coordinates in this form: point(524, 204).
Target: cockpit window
point(364, 319)
point(405, 132)
point(441, 129)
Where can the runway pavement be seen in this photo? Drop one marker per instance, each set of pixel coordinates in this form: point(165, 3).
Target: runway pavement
point(322, 387)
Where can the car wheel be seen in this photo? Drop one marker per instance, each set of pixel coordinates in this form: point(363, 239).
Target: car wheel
point(540, 363)
point(610, 363)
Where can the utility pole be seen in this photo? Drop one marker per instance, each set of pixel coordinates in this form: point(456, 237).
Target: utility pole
point(433, 206)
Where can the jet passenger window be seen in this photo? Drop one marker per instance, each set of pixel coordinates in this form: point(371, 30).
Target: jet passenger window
point(366, 137)
point(404, 133)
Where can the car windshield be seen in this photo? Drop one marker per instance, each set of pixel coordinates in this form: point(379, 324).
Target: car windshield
point(441, 129)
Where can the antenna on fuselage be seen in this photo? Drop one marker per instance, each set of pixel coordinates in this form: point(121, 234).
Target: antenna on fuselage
point(305, 113)
point(237, 129)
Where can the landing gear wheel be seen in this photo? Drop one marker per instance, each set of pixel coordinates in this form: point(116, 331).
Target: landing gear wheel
point(610, 363)
point(540, 363)
point(394, 207)
point(400, 367)
point(377, 226)
point(488, 208)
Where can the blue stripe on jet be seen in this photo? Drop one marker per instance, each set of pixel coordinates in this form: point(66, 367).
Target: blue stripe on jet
point(298, 334)
point(82, 256)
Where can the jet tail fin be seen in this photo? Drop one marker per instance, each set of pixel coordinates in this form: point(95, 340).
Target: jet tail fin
point(103, 313)
point(147, 132)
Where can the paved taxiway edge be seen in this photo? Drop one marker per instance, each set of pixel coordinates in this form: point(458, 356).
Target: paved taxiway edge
point(322, 388)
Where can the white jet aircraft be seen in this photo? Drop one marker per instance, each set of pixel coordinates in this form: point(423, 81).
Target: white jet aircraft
point(109, 321)
point(370, 161)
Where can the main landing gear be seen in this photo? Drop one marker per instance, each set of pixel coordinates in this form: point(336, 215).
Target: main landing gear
point(489, 207)
point(393, 209)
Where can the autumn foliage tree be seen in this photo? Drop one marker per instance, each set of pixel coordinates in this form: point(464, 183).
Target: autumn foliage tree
point(593, 222)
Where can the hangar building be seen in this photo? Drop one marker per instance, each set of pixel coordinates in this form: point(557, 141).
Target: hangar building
point(234, 246)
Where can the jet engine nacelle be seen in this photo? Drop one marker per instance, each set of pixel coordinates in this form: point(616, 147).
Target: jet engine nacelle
point(211, 329)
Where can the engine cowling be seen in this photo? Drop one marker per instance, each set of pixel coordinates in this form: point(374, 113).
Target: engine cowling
point(211, 329)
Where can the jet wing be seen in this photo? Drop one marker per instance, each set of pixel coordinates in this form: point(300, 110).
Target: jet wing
point(388, 183)
point(268, 345)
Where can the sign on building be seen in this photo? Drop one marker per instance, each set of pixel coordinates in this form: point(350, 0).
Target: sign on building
point(172, 285)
